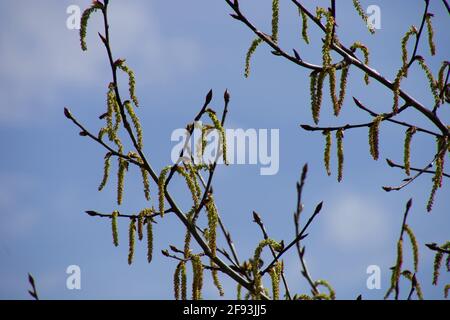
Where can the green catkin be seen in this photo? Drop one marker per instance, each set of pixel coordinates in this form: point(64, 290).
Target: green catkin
point(197, 282)
point(123, 166)
point(398, 265)
point(249, 55)
point(303, 297)
point(414, 245)
point(223, 137)
point(363, 15)
point(136, 123)
point(412, 31)
point(436, 266)
point(441, 80)
point(408, 275)
point(430, 32)
point(437, 179)
point(191, 185)
point(193, 174)
point(140, 226)
point(313, 91)
point(331, 293)
point(304, 25)
point(177, 280)
point(334, 98)
point(162, 189)
point(340, 153)
point(275, 19)
point(115, 229)
point(318, 97)
point(239, 292)
point(432, 83)
point(275, 274)
point(374, 136)
point(396, 88)
point(255, 264)
point(146, 183)
point(327, 152)
point(213, 220)
point(131, 233)
point(96, 5)
point(366, 53)
point(343, 86)
point(407, 149)
point(446, 290)
point(106, 168)
point(329, 26)
point(149, 239)
point(183, 282)
point(131, 81)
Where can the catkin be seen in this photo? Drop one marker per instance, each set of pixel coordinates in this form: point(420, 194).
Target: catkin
point(437, 179)
point(304, 25)
point(275, 19)
point(255, 264)
point(365, 51)
point(96, 5)
point(131, 81)
point(106, 168)
point(131, 233)
point(430, 32)
point(412, 31)
point(363, 15)
point(374, 136)
point(197, 282)
point(407, 149)
point(432, 83)
point(327, 152)
point(136, 124)
point(149, 239)
point(162, 189)
point(213, 220)
point(340, 153)
point(223, 138)
point(115, 230)
point(331, 292)
point(414, 245)
point(249, 55)
point(123, 166)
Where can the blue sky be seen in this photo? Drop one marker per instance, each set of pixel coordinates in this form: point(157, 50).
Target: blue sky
point(179, 50)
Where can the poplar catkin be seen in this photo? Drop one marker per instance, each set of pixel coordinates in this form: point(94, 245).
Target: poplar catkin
point(149, 239)
point(331, 292)
point(197, 282)
point(275, 19)
point(223, 138)
point(412, 31)
point(106, 168)
point(96, 5)
point(414, 245)
point(363, 15)
point(115, 230)
point(255, 264)
point(123, 166)
point(374, 136)
point(407, 149)
point(431, 82)
point(136, 123)
point(304, 25)
point(162, 189)
point(430, 32)
point(213, 220)
point(131, 233)
point(249, 55)
point(340, 153)
point(131, 81)
point(327, 152)
point(437, 179)
point(366, 53)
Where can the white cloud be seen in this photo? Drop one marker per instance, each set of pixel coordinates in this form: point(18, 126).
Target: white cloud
point(357, 221)
point(40, 57)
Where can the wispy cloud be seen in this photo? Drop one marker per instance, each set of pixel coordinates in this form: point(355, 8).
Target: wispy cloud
point(41, 60)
